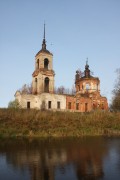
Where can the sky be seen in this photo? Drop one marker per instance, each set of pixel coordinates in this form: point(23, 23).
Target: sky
point(75, 30)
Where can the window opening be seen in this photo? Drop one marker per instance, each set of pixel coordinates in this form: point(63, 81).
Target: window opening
point(49, 104)
point(35, 85)
point(58, 105)
point(37, 63)
point(102, 106)
point(87, 86)
point(69, 105)
point(46, 62)
point(77, 106)
point(94, 106)
point(86, 107)
point(28, 105)
point(46, 84)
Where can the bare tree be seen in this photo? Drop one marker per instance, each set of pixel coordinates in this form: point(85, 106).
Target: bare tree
point(116, 93)
point(73, 90)
point(80, 72)
point(61, 90)
point(26, 89)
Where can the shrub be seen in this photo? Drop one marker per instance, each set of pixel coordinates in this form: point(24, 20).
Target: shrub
point(14, 104)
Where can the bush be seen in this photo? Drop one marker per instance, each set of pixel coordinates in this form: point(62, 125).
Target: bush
point(14, 104)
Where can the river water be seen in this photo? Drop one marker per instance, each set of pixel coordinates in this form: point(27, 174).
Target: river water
point(60, 159)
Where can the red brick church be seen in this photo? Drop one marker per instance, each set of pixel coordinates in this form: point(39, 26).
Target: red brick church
point(87, 97)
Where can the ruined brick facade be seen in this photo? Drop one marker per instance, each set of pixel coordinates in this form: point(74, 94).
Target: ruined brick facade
point(87, 97)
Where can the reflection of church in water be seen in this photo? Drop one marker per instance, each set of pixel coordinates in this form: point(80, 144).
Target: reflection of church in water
point(86, 98)
point(55, 158)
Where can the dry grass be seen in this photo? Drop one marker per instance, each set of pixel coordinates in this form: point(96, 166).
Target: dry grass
point(47, 123)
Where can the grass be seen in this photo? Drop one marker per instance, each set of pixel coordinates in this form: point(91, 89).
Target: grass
point(34, 123)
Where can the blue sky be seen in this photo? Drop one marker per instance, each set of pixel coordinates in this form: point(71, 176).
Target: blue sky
point(75, 30)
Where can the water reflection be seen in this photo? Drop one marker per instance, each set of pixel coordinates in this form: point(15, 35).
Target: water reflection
point(49, 159)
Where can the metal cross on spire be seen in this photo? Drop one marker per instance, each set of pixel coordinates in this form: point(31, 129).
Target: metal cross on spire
point(44, 41)
point(87, 61)
point(44, 30)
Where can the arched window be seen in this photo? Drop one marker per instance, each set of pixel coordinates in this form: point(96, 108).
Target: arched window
point(94, 106)
point(87, 86)
point(97, 86)
point(37, 63)
point(46, 84)
point(46, 62)
point(86, 107)
point(36, 80)
point(102, 106)
point(35, 85)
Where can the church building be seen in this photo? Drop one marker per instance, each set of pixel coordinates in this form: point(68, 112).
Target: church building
point(87, 97)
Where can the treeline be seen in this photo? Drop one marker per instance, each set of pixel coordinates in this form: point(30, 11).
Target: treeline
point(27, 89)
point(63, 90)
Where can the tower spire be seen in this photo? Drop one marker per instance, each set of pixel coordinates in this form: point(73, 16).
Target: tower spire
point(44, 41)
point(87, 71)
point(44, 30)
point(87, 61)
point(86, 66)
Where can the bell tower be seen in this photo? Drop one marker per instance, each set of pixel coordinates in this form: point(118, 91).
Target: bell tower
point(43, 76)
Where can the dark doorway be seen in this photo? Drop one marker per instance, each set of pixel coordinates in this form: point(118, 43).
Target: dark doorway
point(46, 84)
point(46, 62)
point(28, 105)
point(49, 104)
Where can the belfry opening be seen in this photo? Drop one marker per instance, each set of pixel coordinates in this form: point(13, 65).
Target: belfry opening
point(46, 62)
point(46, 85)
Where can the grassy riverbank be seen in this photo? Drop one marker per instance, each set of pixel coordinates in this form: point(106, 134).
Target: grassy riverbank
point(34, 123)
